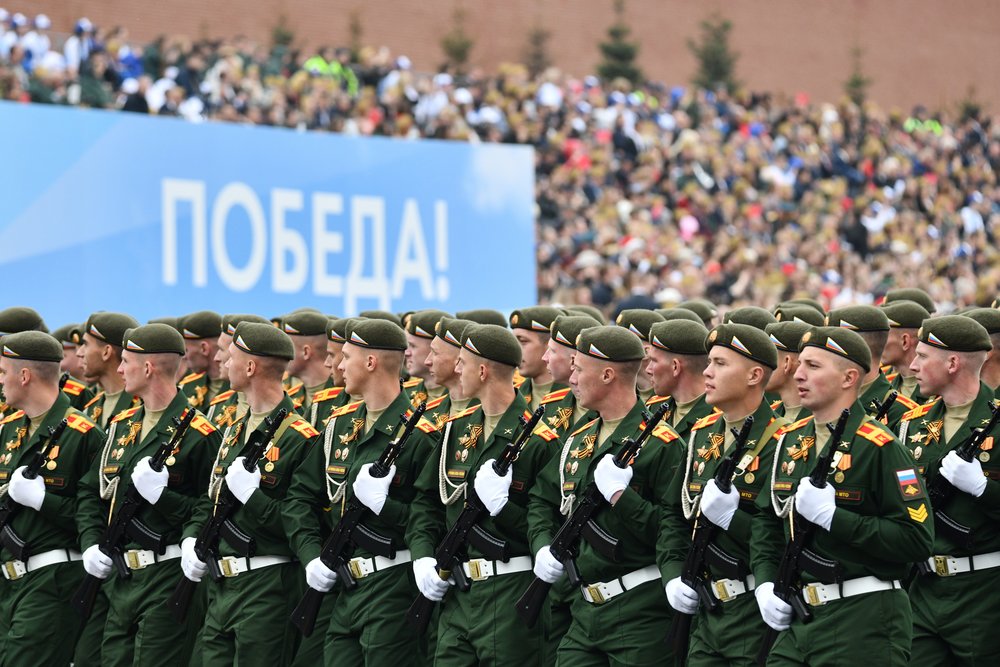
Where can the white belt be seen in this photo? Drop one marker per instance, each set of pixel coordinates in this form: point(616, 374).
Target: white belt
point(230, 566)
point(728, 589)
point(362, 567)
point(601, 592)
point(15, 569)
point(819, 594)
point(138, 559)
point(946, 566)
point(478, 569)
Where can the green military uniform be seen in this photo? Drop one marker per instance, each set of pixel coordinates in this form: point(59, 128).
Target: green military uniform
point(78, 393)
point(324, 403)
point(878, 391)
point(94, 408)
point(195, 387)
point(416, 391)
point(223, 409)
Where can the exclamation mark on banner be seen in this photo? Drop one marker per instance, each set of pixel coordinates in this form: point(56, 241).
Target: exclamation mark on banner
point(441, 248)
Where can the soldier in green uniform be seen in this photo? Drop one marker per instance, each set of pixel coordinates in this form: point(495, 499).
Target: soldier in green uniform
point(754, 316)
point(14, 320)
point(561, 407)
point(790, 312)
point(139, 628)
point(638, 321)
point(308, 333)
point(740, 359)
point(954, 615)
point(441, 362)
point(229, 405)
point(482, 316)
point(678, 357)
point(618, 615)
point(480, 626)
point(914, 294)
point(325, 401)
point(37, 627)
point(990, 319)
point(204, 380)
point(420, 328)
point(786, 336)
point(905, 317)
point(532, 327)
point(100, 353)
point(872, 519)
point(78, 392)
point(368, 624)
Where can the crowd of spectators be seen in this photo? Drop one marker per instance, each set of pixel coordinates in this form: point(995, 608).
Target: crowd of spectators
point(648, 194)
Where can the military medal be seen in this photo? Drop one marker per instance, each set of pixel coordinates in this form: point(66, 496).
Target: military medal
point(561, 418)
point(471, 437)
point(917, 453)
point(224, 452)
point(269, 466)
point(838, 477)
point(465, 455)
point(701, 467)
point(345, 453)
point(934, 429)
point(984, 456)
point(791, 467)
point(356, 426)
point(573, 468)
point(171, 460)
point(749, 478)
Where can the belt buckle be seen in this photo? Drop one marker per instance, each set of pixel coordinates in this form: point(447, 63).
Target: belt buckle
point(941, 568)
point(354, 565)
point(721, 590)
point(812, 595)
point(11, 570)
point(476, 570)
point(596, 597)
point(226, 566)
point(133, 561)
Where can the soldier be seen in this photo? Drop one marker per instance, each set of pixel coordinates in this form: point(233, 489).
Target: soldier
point(14, 320)
point(483, 316)
point(786, 337)
point(754, 316)
point(419, 334)
point(532, 328)
point(325, 401)
point(638, 321)
point(308, 332)
point(139, 627)
point(37, 627)
point(368, 623)
point(561, 407)
point(229, 405)
point(79, 393)
point(905, 317)
point(441, 362)
point(204, 380)
point(100, 353)
point(678, 357)
point(618, 614)
point(990, 319)
point(741, 357)
point(871, 519)
point(790, 312)
point(914, 294)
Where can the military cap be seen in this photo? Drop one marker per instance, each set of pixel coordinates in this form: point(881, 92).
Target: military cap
point(592, 311)
point(32, 346)
point(786, 336)
point(482, 316)
point(305, 323)
point(263, 340)
point(858, 318)
point(745, 339)
point(202, 324)
point(451, 329)
point(422, 323)
point(957, 333)
point(337, 331)
point(610, 343)
point(679, 336)
point(376, 334)
point(988, 317)
point(805, 301)
point(20, 318)
point(174, 322)
point(230, 321)
point(842, 342)
point(566, 328)
point(638, 321)
point(798, 313)
point(154, 338)
point(703, 308)
point(109, 327)
point(493, 342)
point(911, 294)
point(68, 335)
point(752, 315)
point(534, 318)
point(382, 315)
point(679, 314)
point(905, 314)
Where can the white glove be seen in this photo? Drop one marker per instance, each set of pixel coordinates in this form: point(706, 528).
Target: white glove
point(547, 567)
point(148, 482)
point(491, 488)
point(27, 492)
point(96, 562)
point(430, 583)
point(241, 482)
point(682, 597)
point(719, 507)
point(815, 504)
point(776, 612)
point(611, 479)
point(965, 476)
point(372, 491)
point(193, 567)
point(319, 576)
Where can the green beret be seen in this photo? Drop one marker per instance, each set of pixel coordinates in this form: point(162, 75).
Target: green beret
point(339, 330)
point(174, 322)
point(32, 346)
point(786, 336)
point(20, 318)
point(679, 314)
point(914, 294)
point(263, 340)
point(229, 322)
point(377, 334)
point(988, 317)
point(68, 335)
point(745, 339)
point(577, 309)
point(752, 315)
point(858, 318)
point(493, 342)
point(842, 342)
point(305, 323)
point(679, 336)
point(904, 314)
point(154, 338)
point(202, 324)
point(797, 313)
point(482, 316)
point(804, 301)
point(610, 343)
point(422, 323)
point(451, 329)
point(638, 321)
point(535, 318)
point(109, 327)
point(957, 333)
point(382, 315)
point(703, 308)
point(566, 328)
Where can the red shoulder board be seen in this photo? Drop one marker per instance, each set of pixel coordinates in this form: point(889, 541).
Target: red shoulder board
point(908, 402)
point(554, 396)
point(436, 402)
point(14, 416)
point(464, 413)
point(665, 433)
point(518, 380)
point(794, 426)
point(411, 383)
point(920, 411)
point(891, 376)
point(303, 427)
point(224, 396)
point(776, 404)
point(78, 422)
point(295, 389)
point(706, 421)
point(99, 396)
point(190, 377)
point(585, 426)
point(73, 388)
point(347, 409)
point(202, 425)
point(125, 414)
point(327, 394)
point(655, 398)
point(874, 434)
point(544, 432)
point(885, 368)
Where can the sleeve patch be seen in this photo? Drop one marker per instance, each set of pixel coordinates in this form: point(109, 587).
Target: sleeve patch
point(919, 515)
point(909, 484)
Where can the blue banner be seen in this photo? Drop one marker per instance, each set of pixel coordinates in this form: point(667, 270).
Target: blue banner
point(158, 217)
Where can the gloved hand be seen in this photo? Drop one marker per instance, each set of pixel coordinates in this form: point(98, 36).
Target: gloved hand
point(27, 492)
point(96, 562)
point(193, 567)
point(430, 583)
point(491, 488)
point(241, 482)
point(319, 576)
point(372, 491)
point(547, 567)
point(611, 479)
point(815, 504)
point(148, 482)
point(775, 612)
point(682, 597)
point(965, 476)
point(719, 507)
